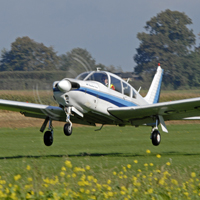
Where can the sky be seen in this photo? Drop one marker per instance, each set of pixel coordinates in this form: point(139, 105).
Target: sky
point(107, 29)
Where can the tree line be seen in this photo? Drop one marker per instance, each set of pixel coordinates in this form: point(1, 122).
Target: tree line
point(166, 40)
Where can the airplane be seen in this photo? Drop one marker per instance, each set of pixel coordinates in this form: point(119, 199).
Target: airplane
point(104, 98)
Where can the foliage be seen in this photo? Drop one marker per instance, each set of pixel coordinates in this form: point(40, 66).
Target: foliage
point(168, 42)
point(127, 182)
point(78, 60)
point(28, 55)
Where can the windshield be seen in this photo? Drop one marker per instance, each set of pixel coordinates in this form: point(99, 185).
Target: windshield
point(82, 76)
point(100, 77)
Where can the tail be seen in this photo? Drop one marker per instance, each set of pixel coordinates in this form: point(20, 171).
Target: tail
point(153, 94)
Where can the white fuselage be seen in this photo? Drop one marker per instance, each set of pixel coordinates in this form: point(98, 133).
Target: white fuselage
point(94, 97)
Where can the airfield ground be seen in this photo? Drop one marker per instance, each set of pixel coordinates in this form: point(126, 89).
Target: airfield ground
point(114, 163)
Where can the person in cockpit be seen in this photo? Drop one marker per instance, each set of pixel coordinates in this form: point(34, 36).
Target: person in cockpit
point(105, 80)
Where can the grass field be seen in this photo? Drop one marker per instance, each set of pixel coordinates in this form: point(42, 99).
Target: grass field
point(126, 151)
point(114, 163)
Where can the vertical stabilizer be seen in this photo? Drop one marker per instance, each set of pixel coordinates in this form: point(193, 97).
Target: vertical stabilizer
point(153, 94)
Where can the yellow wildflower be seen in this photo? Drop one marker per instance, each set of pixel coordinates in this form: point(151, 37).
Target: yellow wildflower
point(114, 173)
point(148, 151)
point(129, 166)
point(41, 193)
point(109, 182)
point(28, 167)
point(168, 163)
point(135, 161)
point(193, 174)
point(174, 181)
point(158, 156)
point(151, 164)
point(145, 164)
point(62, 174)
point(17, 177)
point(87, 167)
point(68, 164)
point(63, 169)
point(150, 191)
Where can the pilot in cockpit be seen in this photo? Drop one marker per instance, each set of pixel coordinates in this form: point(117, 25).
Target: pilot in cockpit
point(104, 80)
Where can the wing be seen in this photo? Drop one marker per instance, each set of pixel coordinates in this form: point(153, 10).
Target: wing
point(34, 110)
point(174, 110)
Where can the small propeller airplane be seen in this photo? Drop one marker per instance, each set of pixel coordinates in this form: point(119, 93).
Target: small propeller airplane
point(104, 98)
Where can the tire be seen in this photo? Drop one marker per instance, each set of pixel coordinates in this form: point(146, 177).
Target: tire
point(67, 129)
point(48, 138)
point(156, 138)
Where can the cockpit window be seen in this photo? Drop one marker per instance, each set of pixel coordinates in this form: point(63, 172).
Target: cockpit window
point(115, 84)
point(126, 89)
point(100, 77)
point(82, 76)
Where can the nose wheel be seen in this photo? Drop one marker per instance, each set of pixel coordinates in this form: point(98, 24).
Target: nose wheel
point(67, 129)
point(68, 126)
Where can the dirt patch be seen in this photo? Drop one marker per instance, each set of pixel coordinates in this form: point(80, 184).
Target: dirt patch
point(16, 120)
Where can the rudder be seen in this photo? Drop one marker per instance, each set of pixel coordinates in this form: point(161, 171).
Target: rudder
point(153, 94)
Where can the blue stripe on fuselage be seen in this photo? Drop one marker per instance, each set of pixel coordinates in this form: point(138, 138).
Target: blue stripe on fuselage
point(106, 97)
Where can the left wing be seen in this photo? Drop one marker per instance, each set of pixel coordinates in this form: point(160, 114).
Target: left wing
point(173, 110)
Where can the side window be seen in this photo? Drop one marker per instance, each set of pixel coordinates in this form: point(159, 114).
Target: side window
point(126, 89)
point(133, 94)
point(115, 84)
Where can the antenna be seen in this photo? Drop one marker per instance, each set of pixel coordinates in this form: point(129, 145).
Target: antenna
point(98, 69)
point(128, 80)
point(139, 89)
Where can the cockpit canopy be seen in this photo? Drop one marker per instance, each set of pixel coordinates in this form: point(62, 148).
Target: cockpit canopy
point(109, 80)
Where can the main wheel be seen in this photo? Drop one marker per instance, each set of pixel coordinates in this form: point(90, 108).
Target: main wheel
point(48, 138)
point(156, 138)
point(67, 129)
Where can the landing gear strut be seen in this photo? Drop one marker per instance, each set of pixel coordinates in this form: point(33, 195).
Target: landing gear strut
point(68, 126)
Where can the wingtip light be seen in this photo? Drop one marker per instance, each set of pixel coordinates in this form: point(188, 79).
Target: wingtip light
point(158, 64)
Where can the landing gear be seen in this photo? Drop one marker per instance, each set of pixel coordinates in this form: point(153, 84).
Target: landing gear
point(68, 126)
point(67, 129)
point(48, 136)
point(155, 137)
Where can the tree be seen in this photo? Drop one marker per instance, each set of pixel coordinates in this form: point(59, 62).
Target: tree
point(28, 55)
point(78, 60)
point(169, 42)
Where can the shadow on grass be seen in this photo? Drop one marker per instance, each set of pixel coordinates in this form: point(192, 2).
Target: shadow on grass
point(84, 154)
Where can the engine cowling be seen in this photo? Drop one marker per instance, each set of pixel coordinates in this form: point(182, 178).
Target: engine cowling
point(64, 85)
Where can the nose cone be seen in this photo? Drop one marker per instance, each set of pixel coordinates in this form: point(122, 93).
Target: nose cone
point(64, 85)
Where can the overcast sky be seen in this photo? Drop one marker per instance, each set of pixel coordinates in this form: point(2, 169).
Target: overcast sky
point(107, 28)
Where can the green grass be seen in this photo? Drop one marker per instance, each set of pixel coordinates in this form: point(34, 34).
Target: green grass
point(104, 151)
point(109, 147)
